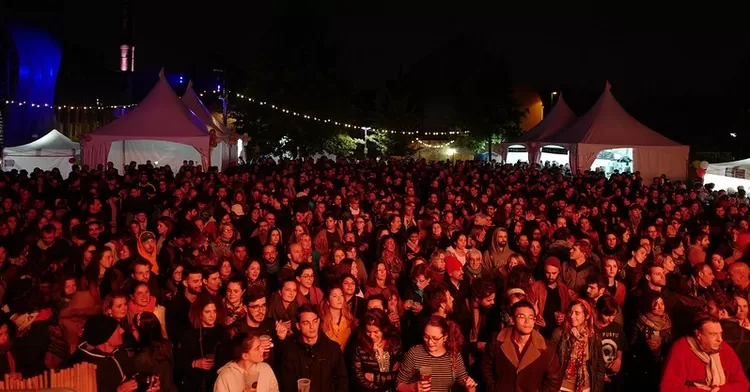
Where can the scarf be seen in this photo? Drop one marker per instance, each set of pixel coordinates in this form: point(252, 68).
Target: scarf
point(134, 308)
point(474, 273)
point(576, 369)
point(715, 376)
point(657, 323)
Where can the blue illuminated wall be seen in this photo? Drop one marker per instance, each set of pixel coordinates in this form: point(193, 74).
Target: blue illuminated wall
point(38, 55)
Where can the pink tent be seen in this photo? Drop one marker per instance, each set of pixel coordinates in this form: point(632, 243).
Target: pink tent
point(607, 125)
point(560, 117)
point(225, 150)
point(161, 129)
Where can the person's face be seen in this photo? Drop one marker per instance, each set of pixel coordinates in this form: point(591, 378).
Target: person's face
point(375, 304)
point(610, 268)
point(107, 259)
point(308, 325)
point(704, 242)
point(448, 302)
point(421, 282)
point(717, 262)
point(330, 223)
point(382, 271)
point(338, 256)
point(640, 255)
point(593, 290)
point(577, 316)
point(434, 339)
point(119, 309)
point(524, 320)
point(161, 228)
point(253, 271)
point(488, 301)
point(461, 242)
point(142, 295)
point(149, 245)
point(70, 287)
point(336, 299)
point(269, 253)
point(657, 277)
point(194, 283)
point(502, 238)
point(213, 282)
point(255, 353)
point(240, 253)
point(275, 237)
point(142, 273)
point(208, 316)
point(475, 260)
point(669, 264)
point(298, 231)
point(709, 337)
point(234, 292)
point(176, 274)
point(48, 238)
point(289, 292)
point(742, 308)
point(657, 308)
point(706, 276)
point(257, 310)
point(374, 333)
point(551, 273)
point(225, 269)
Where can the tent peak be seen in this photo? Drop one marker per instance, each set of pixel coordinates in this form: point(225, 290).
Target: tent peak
point(190, 84)
point(607, 86)
point(161, 73)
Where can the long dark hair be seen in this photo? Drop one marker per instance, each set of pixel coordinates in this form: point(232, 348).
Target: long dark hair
point(378, 318)
point(150, 336)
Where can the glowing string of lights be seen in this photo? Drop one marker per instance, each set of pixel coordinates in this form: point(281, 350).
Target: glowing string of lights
point(74, 107)
point(429, 145)
point(328, 120)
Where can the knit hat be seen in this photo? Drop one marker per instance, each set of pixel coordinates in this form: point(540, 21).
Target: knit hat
point(147, 235)
point(452, 264)
point(552, 261)
point(98, 329)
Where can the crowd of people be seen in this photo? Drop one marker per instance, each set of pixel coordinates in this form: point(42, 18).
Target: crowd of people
point(376, 276)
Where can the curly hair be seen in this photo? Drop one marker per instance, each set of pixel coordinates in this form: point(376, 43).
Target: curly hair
point(454, 338)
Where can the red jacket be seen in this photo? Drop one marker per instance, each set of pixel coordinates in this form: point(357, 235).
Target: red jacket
point(683, 365)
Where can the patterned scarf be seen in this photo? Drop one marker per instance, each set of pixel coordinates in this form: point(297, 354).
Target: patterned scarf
point(576, 369)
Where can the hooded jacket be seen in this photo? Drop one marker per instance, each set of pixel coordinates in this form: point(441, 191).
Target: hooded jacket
point(232, 378)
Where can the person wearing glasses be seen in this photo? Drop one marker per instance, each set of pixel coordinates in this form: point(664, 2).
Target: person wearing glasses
point(519, 358)
point(436, 364)
point(312, 355)
point(256, 323)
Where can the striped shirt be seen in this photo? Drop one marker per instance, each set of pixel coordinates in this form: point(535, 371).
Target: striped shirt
point(443, 374)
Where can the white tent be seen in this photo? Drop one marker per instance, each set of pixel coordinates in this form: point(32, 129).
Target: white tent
point(608, 126)
point(160, 129)
point(50, 151)
point(225, 150)
point(729, 174)
point(558, 118)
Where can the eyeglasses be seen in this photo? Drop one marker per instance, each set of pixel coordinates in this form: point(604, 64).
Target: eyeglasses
point(428, 339)
point(258, 307)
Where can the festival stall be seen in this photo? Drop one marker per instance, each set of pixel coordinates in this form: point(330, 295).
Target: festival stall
point(160, 129)
point(53, 150)
point(725, 175)
point(532, 142)
point(607, 126)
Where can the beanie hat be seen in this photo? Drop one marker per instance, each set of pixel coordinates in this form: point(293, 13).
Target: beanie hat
point(98, 329)
point(452, 264)
point(552, 261)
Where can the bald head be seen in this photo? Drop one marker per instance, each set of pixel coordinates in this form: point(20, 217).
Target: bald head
point(740, 273)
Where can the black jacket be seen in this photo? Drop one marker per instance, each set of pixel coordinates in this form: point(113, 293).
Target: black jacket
point(364, 361)
point(111, 369)
point(178, 321)
point(323, 363)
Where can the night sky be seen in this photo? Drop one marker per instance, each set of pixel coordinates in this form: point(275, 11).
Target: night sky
point(679, 82)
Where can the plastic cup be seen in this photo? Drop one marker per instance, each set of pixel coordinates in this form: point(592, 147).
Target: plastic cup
point(251, 378)
point(303, 385)
point(425, 373)
point(266, 344)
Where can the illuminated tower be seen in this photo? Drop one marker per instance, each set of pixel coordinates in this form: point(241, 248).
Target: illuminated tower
point(127, 46)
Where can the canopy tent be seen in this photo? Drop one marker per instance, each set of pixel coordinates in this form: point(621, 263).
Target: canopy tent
point(160, 129)
point(53, 150)
point(607, 126)
point(225, 150)
point(729, 174)
point(558, 118)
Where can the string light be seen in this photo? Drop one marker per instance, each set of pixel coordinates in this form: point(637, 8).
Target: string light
point(328, 120)
point(69, 107)
point(428, 145)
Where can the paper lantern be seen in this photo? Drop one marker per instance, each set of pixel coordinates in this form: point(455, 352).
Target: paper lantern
point(704, 165)
point(72, 160)
point(696, 164)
